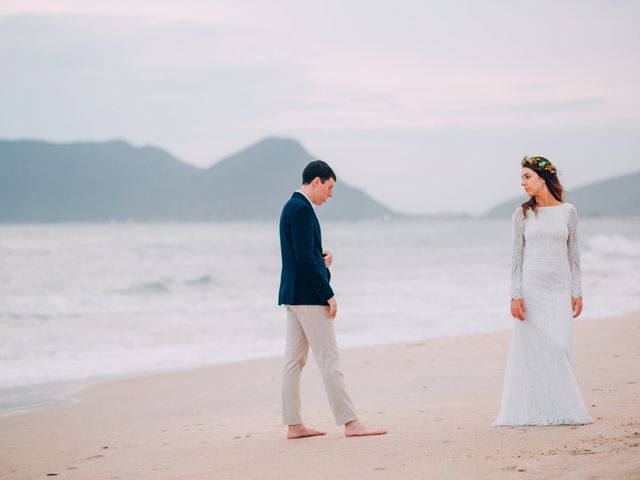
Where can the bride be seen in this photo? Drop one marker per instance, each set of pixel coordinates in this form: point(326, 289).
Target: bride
point(540, 386)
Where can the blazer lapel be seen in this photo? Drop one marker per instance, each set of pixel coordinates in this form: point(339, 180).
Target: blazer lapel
point(315, 217)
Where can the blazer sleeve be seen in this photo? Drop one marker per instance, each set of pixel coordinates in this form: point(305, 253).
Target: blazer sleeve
point(302, 239)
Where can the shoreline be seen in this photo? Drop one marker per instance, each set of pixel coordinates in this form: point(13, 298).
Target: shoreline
point(64, 392)
point(437, 397)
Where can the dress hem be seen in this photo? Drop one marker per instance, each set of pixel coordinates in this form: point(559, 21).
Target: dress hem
point(542, 423)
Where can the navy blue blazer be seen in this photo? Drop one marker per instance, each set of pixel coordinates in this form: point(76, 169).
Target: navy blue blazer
point(305, 278)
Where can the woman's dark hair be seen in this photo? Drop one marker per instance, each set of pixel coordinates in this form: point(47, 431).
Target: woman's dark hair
point(317, 168)
point(548, 173)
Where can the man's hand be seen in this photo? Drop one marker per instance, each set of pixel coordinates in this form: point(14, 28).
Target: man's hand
point(328, 258)
point(576, 304)
point(333, 307)
point(517, 308)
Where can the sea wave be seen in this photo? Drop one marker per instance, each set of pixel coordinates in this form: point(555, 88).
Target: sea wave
point(204, 280)
point(104, 304)
point(167, 285)
point(616, 245)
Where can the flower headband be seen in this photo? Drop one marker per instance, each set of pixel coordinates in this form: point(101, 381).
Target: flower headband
point(539, 164)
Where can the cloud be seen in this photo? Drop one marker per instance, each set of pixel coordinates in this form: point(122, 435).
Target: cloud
point(204, 79)
point(562, 106)
point(282, 68)
point(179, 85)
point(216, 13)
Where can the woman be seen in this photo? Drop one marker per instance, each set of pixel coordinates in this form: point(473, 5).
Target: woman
point(540, 386)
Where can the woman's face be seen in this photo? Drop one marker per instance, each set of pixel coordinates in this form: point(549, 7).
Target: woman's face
point(532, 182)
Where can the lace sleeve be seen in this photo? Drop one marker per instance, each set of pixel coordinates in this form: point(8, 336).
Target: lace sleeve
point(518, 254)
point(573, 253)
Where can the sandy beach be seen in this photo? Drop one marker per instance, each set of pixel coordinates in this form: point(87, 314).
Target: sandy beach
point(437, 397)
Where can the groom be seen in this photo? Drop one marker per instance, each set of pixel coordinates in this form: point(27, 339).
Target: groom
point(311, 306)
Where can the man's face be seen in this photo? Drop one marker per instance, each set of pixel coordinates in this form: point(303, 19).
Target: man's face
point(323, 191)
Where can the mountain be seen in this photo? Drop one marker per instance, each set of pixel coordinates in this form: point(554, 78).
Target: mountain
point(618, 196)
point(80, 182)
point(44, 182)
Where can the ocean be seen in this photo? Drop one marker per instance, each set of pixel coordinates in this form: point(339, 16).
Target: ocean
point(83, 303)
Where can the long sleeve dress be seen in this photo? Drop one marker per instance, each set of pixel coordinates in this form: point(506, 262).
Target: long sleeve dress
point(540, 386)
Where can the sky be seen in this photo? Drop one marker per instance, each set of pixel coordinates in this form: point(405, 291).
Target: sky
point(426, 105)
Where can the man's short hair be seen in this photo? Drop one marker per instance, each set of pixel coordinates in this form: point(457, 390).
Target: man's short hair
point(317, 168)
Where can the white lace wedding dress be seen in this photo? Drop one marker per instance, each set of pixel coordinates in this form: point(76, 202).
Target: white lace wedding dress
point(540, 386)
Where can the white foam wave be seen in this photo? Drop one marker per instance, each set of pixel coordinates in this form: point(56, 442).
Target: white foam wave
point(614, 245)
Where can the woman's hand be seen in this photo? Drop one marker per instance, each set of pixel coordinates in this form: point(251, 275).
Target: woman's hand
point(576, 304)
point(517, 308)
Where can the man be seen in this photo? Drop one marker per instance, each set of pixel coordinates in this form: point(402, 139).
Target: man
point(311, 306)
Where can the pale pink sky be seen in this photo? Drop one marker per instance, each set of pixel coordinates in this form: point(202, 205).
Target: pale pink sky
point(363, 84)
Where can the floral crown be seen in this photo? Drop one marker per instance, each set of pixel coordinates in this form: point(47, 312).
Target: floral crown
point(539, 164)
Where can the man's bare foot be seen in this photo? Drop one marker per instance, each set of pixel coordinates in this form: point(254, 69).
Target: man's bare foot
point(300, 431)
point(356, 428)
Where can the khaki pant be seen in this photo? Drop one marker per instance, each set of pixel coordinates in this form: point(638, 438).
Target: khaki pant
point(310, 325)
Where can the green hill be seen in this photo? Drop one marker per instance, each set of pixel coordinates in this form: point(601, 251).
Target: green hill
point(97, 182)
